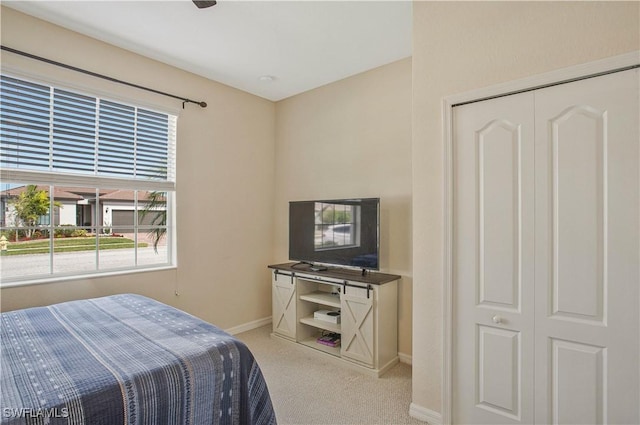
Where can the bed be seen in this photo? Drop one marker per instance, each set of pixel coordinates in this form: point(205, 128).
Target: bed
point(125, 359)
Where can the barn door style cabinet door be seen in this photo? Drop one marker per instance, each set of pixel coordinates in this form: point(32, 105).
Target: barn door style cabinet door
point(357, 325)
point(365, 336)
point(283, 294)
point(545, 255)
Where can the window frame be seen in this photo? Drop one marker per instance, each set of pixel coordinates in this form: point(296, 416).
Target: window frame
point(94, 182)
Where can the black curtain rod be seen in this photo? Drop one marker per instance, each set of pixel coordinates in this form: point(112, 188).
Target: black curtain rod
point(104, 77)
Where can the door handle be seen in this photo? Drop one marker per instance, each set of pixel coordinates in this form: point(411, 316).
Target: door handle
point(497, 319)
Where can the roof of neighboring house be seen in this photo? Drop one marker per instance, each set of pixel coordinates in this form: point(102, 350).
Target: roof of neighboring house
point(57, 192)
point(80, 193)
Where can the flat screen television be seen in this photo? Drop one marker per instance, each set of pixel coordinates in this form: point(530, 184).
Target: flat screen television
point(342, 232)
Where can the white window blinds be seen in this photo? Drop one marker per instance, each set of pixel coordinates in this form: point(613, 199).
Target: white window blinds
point(24, 131)
point(58, 131)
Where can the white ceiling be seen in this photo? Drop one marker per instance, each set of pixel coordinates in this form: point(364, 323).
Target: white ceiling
point(302, 44)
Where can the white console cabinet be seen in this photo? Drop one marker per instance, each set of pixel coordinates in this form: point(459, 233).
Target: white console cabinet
point(368, 306)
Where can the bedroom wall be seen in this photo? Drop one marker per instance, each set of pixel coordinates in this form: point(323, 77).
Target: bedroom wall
point(225, 175)
point(352, 138)
point(458, 47)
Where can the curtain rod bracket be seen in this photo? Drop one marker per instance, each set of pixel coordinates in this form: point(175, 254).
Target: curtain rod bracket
point(202, 104)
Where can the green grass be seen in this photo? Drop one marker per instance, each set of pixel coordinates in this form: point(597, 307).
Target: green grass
point(69, 245)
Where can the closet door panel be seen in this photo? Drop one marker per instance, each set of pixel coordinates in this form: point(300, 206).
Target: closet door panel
point(578, 382)
point(587, 251)
point(578, 186)
point(498, 179)
point(493, 261)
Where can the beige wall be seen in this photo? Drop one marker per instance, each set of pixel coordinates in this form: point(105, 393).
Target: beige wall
point(458, 47)
point(351, 139)
point(225, 179)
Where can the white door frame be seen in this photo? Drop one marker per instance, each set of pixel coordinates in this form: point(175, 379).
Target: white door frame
point(564, 75)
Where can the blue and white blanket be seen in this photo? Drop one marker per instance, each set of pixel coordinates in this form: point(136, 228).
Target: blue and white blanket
point(125, 359)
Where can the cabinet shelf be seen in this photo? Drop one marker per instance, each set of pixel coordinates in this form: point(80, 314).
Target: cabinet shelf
point(311, 342)
point(321, 324)
point(324, 298)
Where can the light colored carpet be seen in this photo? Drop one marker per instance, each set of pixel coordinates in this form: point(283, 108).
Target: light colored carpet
point(305, 388)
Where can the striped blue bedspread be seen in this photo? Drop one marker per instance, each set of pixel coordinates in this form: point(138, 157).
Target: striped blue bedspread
point(125, 359)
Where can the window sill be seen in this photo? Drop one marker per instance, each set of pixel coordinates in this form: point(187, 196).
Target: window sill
point(67, 278)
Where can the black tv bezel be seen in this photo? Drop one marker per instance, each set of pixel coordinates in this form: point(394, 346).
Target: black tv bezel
point(313, 261)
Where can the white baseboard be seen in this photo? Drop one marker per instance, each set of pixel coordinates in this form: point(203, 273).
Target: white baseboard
point(405, 358)
point(424, 414)
point(249, 326)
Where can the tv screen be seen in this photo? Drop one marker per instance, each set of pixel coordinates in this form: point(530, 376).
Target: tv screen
point(342, 232)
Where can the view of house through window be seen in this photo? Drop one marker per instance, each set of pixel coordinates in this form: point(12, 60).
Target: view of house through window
point(336, 225)
point(87, 184)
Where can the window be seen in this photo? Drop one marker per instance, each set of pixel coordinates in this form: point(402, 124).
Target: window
point(336, 225)
point(87, 184)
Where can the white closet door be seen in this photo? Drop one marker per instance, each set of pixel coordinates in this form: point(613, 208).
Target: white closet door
point(587, 251)
point(494, 261)
point(546, 255)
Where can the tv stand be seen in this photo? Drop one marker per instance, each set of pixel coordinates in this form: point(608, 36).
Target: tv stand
point(368, 303)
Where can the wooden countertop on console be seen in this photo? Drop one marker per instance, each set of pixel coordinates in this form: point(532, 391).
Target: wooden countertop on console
point(374, 278)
